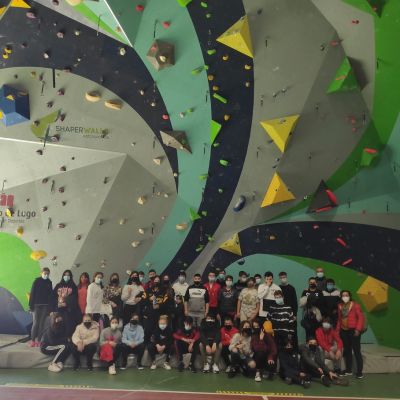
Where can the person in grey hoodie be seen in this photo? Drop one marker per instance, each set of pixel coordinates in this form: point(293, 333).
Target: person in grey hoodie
point(110, 345)
point(132, 341)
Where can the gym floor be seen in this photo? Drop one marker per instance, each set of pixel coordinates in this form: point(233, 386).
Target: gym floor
point(35, 384)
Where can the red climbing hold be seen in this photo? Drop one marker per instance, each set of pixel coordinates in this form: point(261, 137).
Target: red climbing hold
point(355, 21)
point(139, 8)
point(370, 151)
point(165, 117)
point(318, 210)
point(315, 227)
point(341, 241)
point(166, 24)
point(331, 196)
point(347, 262)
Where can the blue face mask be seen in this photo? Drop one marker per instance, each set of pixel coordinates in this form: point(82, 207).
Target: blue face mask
point(330, 286)
point(66, 278)
point(279, 301)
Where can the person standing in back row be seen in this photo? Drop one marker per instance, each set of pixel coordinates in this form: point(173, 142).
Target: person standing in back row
point(320, 279)
point(213, 289)
point(196, 301)
point(266, 292)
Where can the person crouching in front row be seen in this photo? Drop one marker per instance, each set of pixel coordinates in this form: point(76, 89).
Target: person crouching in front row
point(160, 343)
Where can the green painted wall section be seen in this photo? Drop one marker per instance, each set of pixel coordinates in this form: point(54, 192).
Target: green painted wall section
point(17, 269)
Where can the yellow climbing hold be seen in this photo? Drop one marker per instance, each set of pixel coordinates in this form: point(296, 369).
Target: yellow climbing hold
point(20, 231)
point(373, 294)
point(277, 192)
point(238, 37)
point(19, 4)
point(279, 129)
point(38, 255)
point(232, 245)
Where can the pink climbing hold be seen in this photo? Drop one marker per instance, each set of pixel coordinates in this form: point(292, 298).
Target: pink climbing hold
point(341, 241)
point(165, 117)
point(331, 196)
point(370, 151)
point(139, 8)
point(347, 262)
point(166, 24)
point(315, 227)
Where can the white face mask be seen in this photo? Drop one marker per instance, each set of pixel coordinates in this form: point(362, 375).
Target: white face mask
point(258, 281)
point(326, 325)
point(320, 274)
point(187, 327)
point(284, 281)
point(346, 299)
point(45, 275)
point(114, 326)
point(162, 326)
point(98, 280)
point(141, 278)
point(181, 279)
point(228, 283)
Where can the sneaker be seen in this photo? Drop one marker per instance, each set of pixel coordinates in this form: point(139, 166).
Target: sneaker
point(325, 381)
point(76, 367)
point(181, 367)
point(359, 376)
point(122, 367)
point(111, 370)
point(258, 377)
point(288, 380)
point(60, 365)
point(32, 343)
point(270, 376)
point(215, 369)
point(192, 368)
point(206, 368)
point(167, 366)
point(90, 367)
point(306, 384)
point(140, 367)
point(152, 366)
point(53, 367)
point(228, 368)
point(347, 373)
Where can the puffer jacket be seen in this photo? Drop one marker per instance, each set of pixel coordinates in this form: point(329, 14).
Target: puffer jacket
point(85, 335)
point(355, 318)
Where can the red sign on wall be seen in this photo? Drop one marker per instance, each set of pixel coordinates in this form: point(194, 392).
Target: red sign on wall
point(6, 200)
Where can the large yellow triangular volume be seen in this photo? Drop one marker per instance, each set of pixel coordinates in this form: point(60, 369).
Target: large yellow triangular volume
point(232, 245)
point(238, 37)
point(19, 4)
point(277, 192)
point(279, 129)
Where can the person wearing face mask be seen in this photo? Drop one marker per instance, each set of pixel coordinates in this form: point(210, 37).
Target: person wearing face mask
point(350, 325)
point(289, 292)
point(290, 367)
point(213, 289)
point(242, 282)
point(312, 302)
point(84, 341)
point(168, 306)
point(149, 284)
point(220, 273)
point(312, 362)
point(177, 313)
point(248, 302)
point(320, 279)
point(264, 352)
point(266, 293)
point(331, 301)
point(160, 343)
point(258, 280)
point(84, 281)
point(210, 338)
point(95, 296)
point(227, 333)
point(227, 300)
point(65, 301)
point(187, 341)
point(240, 349)
point(110, 345)
point(55, 343)
point(329, 341)
point(39, 302)
point(180, 286)
point(196, 301)
point(112, 296)
point(132, 342)
point(141, 276)
point(131, 295)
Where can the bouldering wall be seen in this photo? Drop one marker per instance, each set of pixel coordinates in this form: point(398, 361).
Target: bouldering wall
point(188, 134)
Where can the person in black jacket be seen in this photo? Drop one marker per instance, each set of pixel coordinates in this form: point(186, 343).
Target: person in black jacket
point(227, 300)
point(312, 362)
point(55, 343)
point(65, 301)
point(210, 337)
point(39, 301)
point(161, 343)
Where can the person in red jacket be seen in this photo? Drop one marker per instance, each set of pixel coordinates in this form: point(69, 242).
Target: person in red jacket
point(213, 289)
point(227, 332)
point(329, 340)
point(187, 341)
point(264, 352)
point(350, 326)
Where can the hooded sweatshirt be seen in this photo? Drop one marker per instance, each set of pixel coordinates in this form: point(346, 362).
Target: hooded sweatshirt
point(132, 334)
point(54, 335)
point(40, 292)
point(110, 335)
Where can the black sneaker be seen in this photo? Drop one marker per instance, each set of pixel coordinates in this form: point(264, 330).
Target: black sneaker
point(90, 367)
point(306, 384)
point(181, 367)
point(192, 368)
point(359, 376)
point(76, 367)
point(347, 373)
point(288, 380)
point(325, 381)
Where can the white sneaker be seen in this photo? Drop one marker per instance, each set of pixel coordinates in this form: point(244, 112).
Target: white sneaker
point(258, 377)
point(167, 366)
point(53, 367)
point(112, 370)
point(215, 369)
point(153, 365)
point(228, 369)
point(206, 367)
point(60, 365)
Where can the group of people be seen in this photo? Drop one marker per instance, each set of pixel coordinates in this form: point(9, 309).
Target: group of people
point(251, 324)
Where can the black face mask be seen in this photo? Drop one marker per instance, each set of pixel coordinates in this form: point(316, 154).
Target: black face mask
point(256, 330)
point(313, 347)
point(210, 323)
point(197, 283)
point(312, 285)
point(134, 322)
point(136, 280)
point(115, 281)
point(289, 349)
point(152, 278)
point(228, 327)
point(247, 331)
point(87, 324)
point(166, 283)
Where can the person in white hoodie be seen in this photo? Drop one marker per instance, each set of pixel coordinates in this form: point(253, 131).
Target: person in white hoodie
point(94, 298)
point(266, 294)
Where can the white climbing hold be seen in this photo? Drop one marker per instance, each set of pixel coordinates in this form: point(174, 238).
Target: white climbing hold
point(92, 97)
point(113, 104)
point(136, 243)
point(141, 200)
point(158, 160)
point(141, 231)
point(182, 226)
point(122, 221)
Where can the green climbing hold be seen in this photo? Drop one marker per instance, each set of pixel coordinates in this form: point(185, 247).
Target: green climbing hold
point(220, 98)
point(208, 15)
point(194, 216)
point(368, 157)
point(204, 4)
point(216, 144)
point(215, 129)
point(183, 3)
point(204, 213)
point(197, 71)
point(199, 248)
point(203, 177)
point(40, 129)
point(224, 163)
point(220, 190)
point(211, 52)
point(345, 79)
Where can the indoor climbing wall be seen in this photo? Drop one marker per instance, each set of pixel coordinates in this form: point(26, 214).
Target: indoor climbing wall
point(187, 134)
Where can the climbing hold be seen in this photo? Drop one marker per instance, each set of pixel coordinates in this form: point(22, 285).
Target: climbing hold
point(113, 104)
point(176, 139)
point(210, 77)
point(203, 4)
point(63, 168)
point(215, 88)
point(166, 24)
point(61, 189)
point(204, 213)
point(241, 202)
point(220, 190)
point(280, 129)
point(46, 55)
point(136, 243)
point(211, 52)
point(199, 248)
point(208, 15)
point(38, 255)
point(323, 199)
point(247, 84)
point(197, 70)
point(374, 294)
point(215, 129)
point(247, 67)
point(355, 21)
point(141, 231)
point(9, 212)
point(158, 160)
point(161, 54)
point(224, 163)
point(122, 221)
point(220, 98)
point(141, 200)
point(277, 192)
point(183, 3)
point(61, 225)
point(30, 15)
point(347, 262)
point(20, 231)
point(225, 57)
point(165, 117)
point(238, 37)
point(92, 97)
point(345, 79)
point(232, 245)
point(139, 8)
point(341, 241)
point(78, 237)
point(193, 215)
point(60, 34)
point(181, 227)
point(227, 117)
point(368, 156)
point(122, 51)
point(203, 177)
